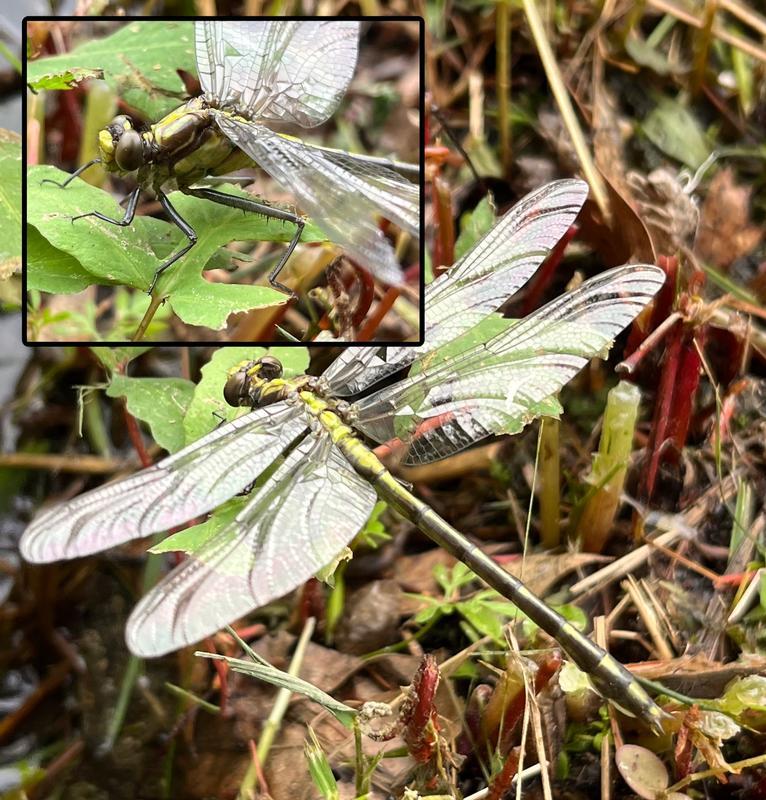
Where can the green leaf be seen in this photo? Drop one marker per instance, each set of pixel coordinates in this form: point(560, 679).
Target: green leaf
point(115, 357)
point(490, 326)
point(475, 225)
point(374, 532)
point(192, 540)
point(483, 618)
point(10, 203)
point(139, 61)
point(52, 270)
point(647, 56)
point(109, 253)
point(127, 255)
point(265, 672)
point(160, 402)
point(319, 768)
point(672, 128)
point(61, 81)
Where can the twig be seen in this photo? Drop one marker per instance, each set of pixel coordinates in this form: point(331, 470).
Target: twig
point(745, 45)
point(649, 618)
point(747, 15)
point(561, 95)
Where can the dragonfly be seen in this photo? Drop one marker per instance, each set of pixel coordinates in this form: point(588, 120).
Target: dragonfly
point(253, 74)
point(319, 497)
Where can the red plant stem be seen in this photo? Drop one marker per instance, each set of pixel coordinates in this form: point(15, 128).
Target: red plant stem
point(665, 298)
point(393, 445)
point(544, 275)
point(222, 669)
point(515, 709)
point(501, 783)
point(734, 579)
point(471, 733)
point(444, 243)
point(629, 365)
point(662, 308)
point(366, 295)
point(368, 331)
point(662, 409)
point(264, 786)
point(135, 437)
point(677, 391)
point(685, 387)
point(311, 602)
point(420, 719)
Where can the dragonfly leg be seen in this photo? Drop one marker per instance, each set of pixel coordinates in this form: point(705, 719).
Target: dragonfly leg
point(188, 231)
point(76, 174)
point(246, 204)
point(130, 212)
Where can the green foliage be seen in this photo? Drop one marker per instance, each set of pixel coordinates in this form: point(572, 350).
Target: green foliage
point(744, 699)
point(585, 737)
point(260, 669)
point(485, 611)
point(96, 252)
point(62, 80)
point(139, 61)
point(374, 533)
point(319, 768)
point(160, 402)
point(10, 203)
point(672, 128)
point(475, 225)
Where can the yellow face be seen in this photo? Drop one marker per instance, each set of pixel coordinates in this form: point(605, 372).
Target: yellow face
point(120, 146)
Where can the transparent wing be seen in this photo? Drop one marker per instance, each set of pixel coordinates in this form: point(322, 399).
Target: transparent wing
point(296, 523)
point(286, 71)
point(501, 385)
point(342, 196)
point(173, 491)
point(478, 284)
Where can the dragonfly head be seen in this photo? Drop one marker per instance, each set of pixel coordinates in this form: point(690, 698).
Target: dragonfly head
point(246, 380)
point(121, 145)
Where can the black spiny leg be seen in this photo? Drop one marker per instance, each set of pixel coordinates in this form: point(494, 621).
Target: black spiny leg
point(186, 229)
point(246, 204)
point(76, 174)
point(130, 212)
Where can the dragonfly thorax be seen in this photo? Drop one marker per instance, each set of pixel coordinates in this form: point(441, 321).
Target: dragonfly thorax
point(259, 383)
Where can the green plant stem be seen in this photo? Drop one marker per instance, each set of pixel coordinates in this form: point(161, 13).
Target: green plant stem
point(549, 484)
point(609, 467)
point(503, 83)
point(156, 302)
point(133, 668)
point(271, 727)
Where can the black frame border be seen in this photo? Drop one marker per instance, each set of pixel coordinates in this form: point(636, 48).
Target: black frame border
point(268, 343)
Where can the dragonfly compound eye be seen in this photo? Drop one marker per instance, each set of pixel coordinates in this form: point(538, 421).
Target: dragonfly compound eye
point(270, 368)
point(235, 389)
point(129, 153)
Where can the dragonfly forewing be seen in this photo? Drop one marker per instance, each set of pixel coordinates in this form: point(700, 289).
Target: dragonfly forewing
point(294, 71)
point(173, 491)
point(478, 284)
point(292, 526)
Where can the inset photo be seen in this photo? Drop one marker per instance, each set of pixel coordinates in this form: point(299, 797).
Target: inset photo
point(213, 181)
